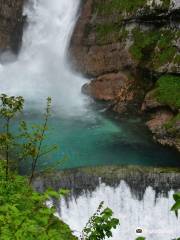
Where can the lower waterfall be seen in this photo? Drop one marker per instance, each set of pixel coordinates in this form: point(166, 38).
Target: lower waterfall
point(151, 214)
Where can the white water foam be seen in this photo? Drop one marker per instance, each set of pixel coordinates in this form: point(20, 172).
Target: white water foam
point(151, 215)
point(41, 69)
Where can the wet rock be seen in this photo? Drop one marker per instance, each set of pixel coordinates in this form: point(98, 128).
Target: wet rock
point(151, 102)
point(117, 88)
point(11, 24)
point(165, 130)
point(158, 120)
point(110, 87)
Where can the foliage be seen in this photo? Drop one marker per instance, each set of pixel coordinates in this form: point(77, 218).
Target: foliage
point(176, 206)
point(24, 215)
point(28, 143)
point(100, 225)
point(32, 141)
point(144, 43)
point(154, 47)
point(10, 106)
point(118, 6)
point(23, 211)
point(172, 126)
point(108, 7)
point(168, 91)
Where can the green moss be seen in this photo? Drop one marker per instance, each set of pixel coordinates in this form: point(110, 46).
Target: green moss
point(166, 4)
point(177, 59)
point(144, 44)
point(168, 91)
point(165, 51)
point(118, 6)
point(110, 32)
point(164, 57)
point(172, 122)
point(171, 127)
point(106, 7)
point(154, 47)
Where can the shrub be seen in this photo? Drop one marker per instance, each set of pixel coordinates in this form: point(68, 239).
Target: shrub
point(168, 91)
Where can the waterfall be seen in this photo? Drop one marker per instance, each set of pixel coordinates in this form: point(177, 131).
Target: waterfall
point(151, 214)
point(41, 69)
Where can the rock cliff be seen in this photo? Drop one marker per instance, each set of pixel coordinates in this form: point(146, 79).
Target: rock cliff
point(131, 50)
point(11, 24)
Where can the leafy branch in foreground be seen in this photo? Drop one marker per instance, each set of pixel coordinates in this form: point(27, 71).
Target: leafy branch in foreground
point(27, 144)
point(100, 225)
point(32, 146)
point(176, 206)
point(10, 107)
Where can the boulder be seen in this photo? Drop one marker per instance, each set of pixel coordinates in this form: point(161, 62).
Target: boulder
point(150, 101)
point(110, 87)
point(158, 120)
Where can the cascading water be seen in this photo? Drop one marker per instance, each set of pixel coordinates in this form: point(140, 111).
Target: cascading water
point(41, 69)
point(151, 214)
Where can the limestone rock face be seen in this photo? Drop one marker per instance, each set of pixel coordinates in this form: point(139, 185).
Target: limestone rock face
point(139, 38)
point(116, 39)
point(11, 24)
point(112, 37)
point(91, 57)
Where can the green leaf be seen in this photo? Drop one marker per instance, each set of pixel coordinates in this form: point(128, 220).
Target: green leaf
point(176, 206)
point(176, 196)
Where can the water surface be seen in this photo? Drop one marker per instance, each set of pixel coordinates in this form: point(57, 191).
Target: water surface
point(101, 138)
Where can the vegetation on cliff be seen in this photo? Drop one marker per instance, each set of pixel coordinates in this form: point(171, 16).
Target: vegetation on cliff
point(168, 91)
point(130, 7)
point(155, 47)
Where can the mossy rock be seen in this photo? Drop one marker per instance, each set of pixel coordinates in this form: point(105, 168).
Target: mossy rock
point(173, 126)
point(155, 48)
point(168, 91)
